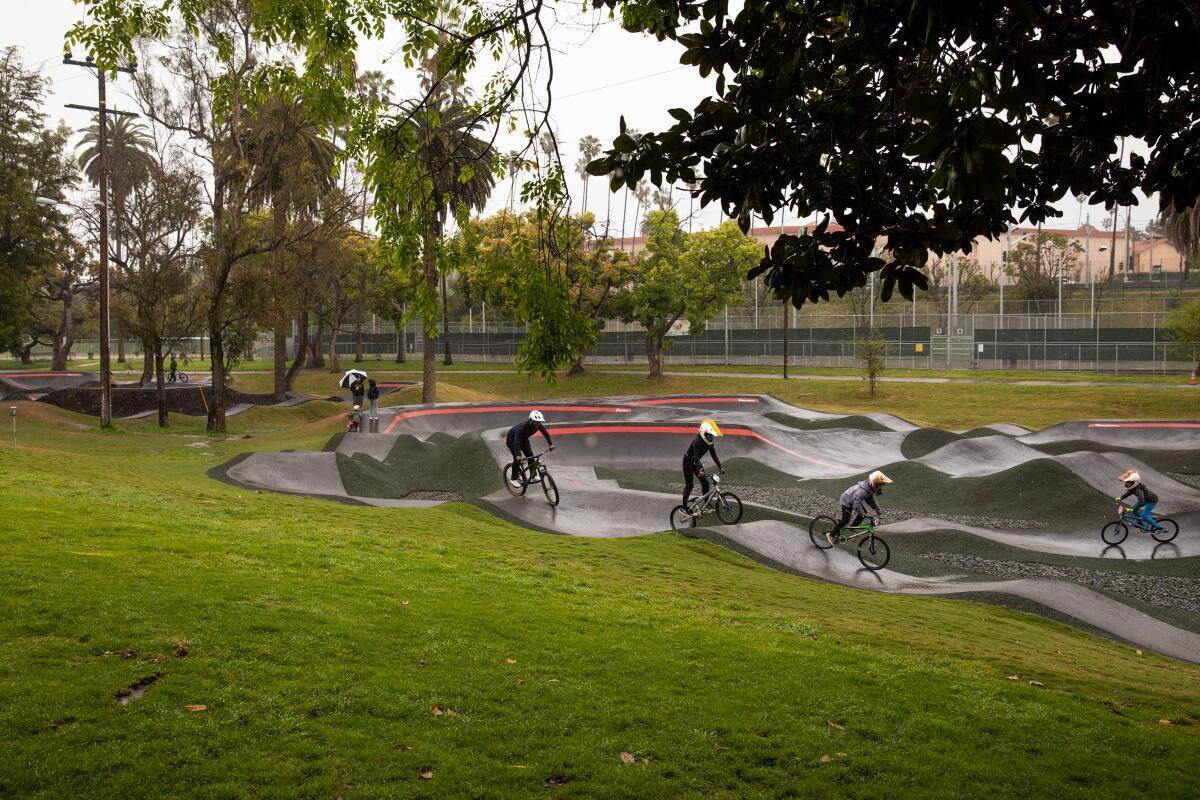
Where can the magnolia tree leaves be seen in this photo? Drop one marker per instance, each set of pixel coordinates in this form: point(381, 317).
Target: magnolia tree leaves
point(913, 128)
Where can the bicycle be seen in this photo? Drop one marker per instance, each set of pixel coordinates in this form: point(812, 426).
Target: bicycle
point(1116, 531)
point(532, 471)
point(181, 377)
point(727, 505)
point(873, 551)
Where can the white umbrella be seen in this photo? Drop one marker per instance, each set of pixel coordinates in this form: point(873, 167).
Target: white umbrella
point(351, 376)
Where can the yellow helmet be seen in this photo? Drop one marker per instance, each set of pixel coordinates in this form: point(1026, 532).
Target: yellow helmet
point(709, 430)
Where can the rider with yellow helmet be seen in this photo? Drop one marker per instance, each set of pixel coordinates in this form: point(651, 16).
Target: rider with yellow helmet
point(701, 445)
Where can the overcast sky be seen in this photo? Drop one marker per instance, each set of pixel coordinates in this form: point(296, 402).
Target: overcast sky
point(600, 72)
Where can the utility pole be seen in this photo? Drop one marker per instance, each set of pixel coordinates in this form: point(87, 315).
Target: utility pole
point(102, 111)
point(1128, 236)
point(1112, 246)
point(1087, 267)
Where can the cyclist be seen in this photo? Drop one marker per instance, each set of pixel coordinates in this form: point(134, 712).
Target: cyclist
point(517, 440)
point(354, 420)
point(1144, 500)
point(173, 374)
point(857, 500)
point(702, 444)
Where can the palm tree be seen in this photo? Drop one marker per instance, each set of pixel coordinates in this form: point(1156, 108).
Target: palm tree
point(131, 156)
point(642, 193)
point(295, 164)
point(458, 166)
point(1182, 229)
point(589, 148)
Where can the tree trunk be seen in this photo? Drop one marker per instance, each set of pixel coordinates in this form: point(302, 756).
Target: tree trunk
point(335, 363)
point(654, 348)
point(318, 358)
point(160, 383)
point(429, 354)
point(147, 364)
point(577, 367)
point(66, 337)
point(216, 353)
point(401, 342)
point(449, 359)
point(301, 351)
point(359, 320)
point(280, 353)
point(27, 354)
point(120, 334)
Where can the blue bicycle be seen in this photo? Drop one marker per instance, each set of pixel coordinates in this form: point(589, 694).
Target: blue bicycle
point(1116, 531)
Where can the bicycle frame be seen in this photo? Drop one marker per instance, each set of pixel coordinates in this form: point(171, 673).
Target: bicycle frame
point(530, 472)
point(1127, 515)
point(863, 530)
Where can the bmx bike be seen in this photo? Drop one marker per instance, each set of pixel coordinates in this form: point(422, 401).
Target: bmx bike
point(1116, 531)
point(726, 504)
point(533, 470)
point(873, 551)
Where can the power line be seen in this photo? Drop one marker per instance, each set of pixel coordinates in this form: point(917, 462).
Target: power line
point(622, 83)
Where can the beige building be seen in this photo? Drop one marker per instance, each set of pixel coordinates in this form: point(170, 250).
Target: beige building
point(1155, 256)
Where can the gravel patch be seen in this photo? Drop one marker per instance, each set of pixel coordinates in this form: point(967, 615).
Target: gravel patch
point(809, 502)
point(447, 497)
point(1164, 591)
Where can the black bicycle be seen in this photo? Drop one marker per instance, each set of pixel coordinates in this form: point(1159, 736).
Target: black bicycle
point(727, 505)
point(181, 377)
point(532, 471)
point(873, 552)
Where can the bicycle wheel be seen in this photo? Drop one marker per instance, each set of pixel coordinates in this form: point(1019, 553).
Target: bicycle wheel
point(1170, 529)
point(729, 508)
point(874, 552)
point(680, 518)
point(1114, 532)
point(549, 488)
point(817, 530)
point(183, 377)
point(515, 489)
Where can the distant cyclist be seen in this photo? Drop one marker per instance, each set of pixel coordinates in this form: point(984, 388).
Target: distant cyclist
point(692, 468)
point(1144, 500)
point(517, 440)
point(173, 374)
point(858, 501)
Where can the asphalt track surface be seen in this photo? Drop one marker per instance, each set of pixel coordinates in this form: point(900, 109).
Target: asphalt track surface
point(652, 433)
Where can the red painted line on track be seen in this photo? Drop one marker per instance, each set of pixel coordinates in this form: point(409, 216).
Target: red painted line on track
point(426, 412)
point(668, 401)
point(1144, 425)
point(41, 374)
point(686, 429)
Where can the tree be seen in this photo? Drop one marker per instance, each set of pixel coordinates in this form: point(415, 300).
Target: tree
point(57, 287)
point(1039, 263)
point(1184, 327)
point(161, 217)
point(1182, 229)
point(870, 348)
point(921, 122)
point(33, 164)
point(683, 276)
point(131, 156)
point(589, 148)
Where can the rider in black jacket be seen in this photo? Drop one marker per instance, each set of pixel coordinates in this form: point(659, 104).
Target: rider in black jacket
point(518, 438)
point(701, 445)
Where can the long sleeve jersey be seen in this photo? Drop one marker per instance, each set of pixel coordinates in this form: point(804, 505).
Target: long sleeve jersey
point(697, 451)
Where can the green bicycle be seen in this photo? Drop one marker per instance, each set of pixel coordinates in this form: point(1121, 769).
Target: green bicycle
point(873, 552)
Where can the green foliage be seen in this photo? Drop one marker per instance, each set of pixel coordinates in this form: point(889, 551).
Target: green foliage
point(683, 276)
point(925, 122)
point(1039, 262)
point(870, 349)
point(1184, 327)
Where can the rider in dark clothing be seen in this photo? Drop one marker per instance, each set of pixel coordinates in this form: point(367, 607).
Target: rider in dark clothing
point(701, 445)
point(518, 438)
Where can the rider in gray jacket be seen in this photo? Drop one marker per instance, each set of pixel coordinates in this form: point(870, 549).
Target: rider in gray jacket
point(858, 501)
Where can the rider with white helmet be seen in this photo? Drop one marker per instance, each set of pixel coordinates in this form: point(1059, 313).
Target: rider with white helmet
point(1144, 500)
point(701, 445)
point(518, 436)
point(858, 501)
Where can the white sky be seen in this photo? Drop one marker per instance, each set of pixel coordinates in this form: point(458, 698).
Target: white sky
point(600, 72)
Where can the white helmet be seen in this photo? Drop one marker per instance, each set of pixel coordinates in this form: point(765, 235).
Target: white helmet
point(709, 430)
point(536, 416)
point(878, 480)
point(1131, 478)
point(357, 406)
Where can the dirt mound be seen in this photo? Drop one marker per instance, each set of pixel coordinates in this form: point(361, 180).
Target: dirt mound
point(1041, 490)
point(127, 401)
point(1184, 462)
point(443, 463)
point(856, 421)
point(924, 441)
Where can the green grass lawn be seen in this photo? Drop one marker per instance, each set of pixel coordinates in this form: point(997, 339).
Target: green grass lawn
point(320, 637)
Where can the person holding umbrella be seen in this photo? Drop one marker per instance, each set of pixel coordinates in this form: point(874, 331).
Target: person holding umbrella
point(356, 381)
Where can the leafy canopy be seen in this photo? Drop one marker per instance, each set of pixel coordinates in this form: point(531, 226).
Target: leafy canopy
point(923, 122)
